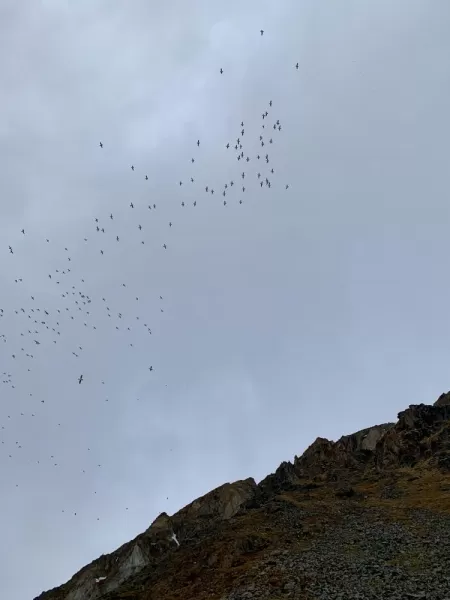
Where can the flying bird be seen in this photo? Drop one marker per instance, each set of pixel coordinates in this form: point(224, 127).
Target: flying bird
point(262, 32)
point(80, 378)
point(101, 145)
point(132, 167)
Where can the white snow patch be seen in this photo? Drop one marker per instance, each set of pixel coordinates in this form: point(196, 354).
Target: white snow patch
point(174, 538)
point(98, 579)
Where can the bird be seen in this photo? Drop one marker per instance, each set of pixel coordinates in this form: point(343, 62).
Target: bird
point(23, 231)
point(150, 368)
point(101, 145)
point(80, 378)
point(11, 250)
point(296, 66)
point(221, 71)
point(262, 31)
point(270, 102)
point(132, 167)
point(192, 160)
point(131, 205)
point(198, 142)
point(170, 224)
point(146, 177)
point(164, 246)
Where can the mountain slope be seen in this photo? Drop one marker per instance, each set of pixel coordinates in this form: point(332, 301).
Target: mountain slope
point(367, 516)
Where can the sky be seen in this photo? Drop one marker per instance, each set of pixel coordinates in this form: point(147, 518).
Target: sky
point(315, 310)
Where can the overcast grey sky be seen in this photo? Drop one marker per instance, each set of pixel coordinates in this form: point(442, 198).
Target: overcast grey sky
point(316, 310)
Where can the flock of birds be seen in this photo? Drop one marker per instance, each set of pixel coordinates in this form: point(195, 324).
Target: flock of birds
point(39, 326)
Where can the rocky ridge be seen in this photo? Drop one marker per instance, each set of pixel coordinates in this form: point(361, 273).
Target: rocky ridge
point(365, 517)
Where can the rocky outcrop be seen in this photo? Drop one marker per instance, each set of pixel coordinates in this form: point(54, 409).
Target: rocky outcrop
point(237, 524)
point(421, 433)
point(443, 399)
point(165, 535)
point(328, 460)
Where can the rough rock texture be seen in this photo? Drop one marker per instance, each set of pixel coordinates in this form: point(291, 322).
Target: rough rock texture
point(366, 517)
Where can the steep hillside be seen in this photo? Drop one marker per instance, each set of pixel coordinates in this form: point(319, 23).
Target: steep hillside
point(365, 517)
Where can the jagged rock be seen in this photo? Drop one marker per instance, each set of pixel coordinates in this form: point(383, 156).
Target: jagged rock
point(284, 478)
point(417, 434)
point(223, 502)
point(325, 460)
point(291, 534)
point(443, 400)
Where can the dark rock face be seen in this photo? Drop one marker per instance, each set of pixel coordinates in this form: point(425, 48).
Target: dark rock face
point(284, 478)
point(420, 433)
point(325, 460)
point(237, 523)
point(443, 400)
